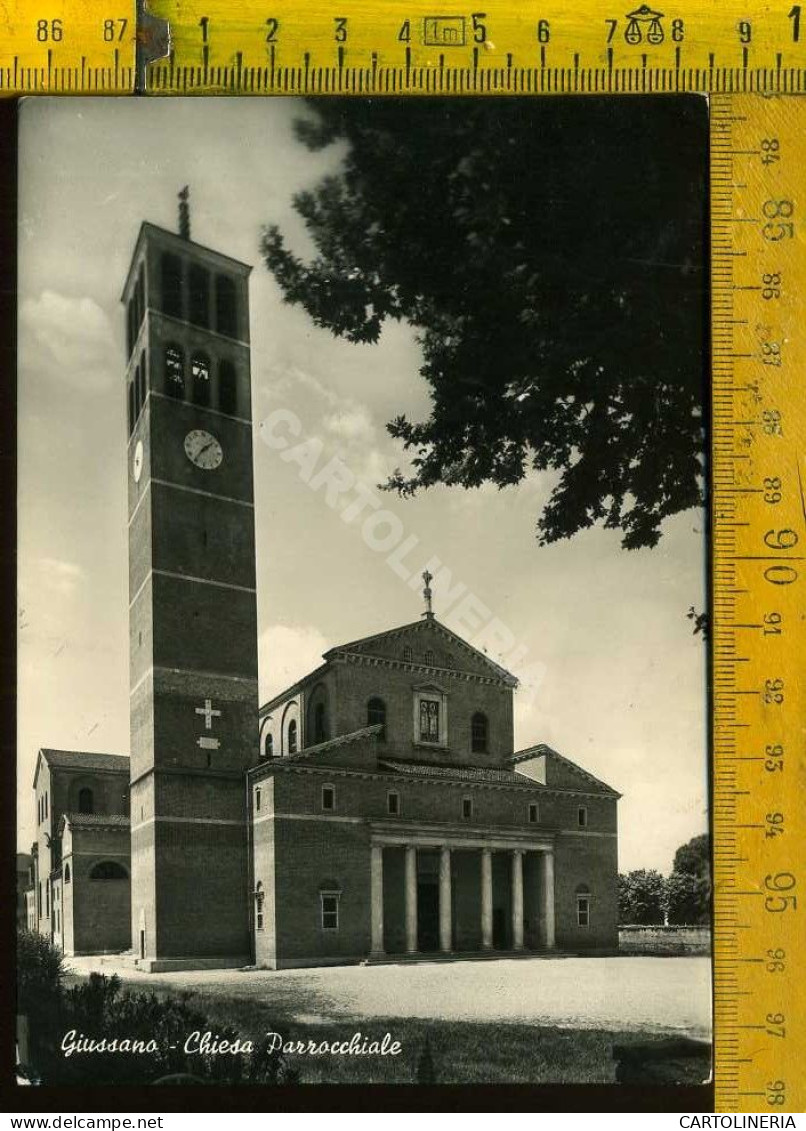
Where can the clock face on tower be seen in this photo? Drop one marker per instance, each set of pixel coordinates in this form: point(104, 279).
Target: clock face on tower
point(203, 449)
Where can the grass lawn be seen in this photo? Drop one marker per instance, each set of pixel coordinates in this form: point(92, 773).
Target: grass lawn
point(462, 1052)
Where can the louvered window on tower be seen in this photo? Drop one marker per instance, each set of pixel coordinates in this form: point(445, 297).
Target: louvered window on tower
point(226, 311)
point(199, 296)
point(171, 280)
point(227, 387)
point(174, 371)
point(200, 375)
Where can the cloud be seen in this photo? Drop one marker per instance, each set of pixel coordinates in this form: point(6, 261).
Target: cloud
point(286, 652)
point(61, 575)
point(74, 335)
point(351, 423)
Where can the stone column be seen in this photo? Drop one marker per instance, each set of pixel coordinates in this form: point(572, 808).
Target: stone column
point(411, 899)
point(547, 900)
point(376, 898)
point(517, 899)
point(486, 899)
point(445, 926)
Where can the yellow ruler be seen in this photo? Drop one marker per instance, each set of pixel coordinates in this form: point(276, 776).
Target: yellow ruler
point(758, 242)
point(751, 57)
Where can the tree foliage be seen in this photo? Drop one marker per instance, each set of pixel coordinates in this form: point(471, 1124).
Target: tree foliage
point(688, 899)
point(694, 857)
point(688, 889)
point(641, 897)
point(550, 255)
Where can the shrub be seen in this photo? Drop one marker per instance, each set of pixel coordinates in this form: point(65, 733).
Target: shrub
point(99, 1010)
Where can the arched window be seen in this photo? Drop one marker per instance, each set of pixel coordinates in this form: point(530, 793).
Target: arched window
point(478, 733)
point(86, 801)
point(268, 745)
point(227, 387)
point(46, 806)
point(131, 407)
point(292, 737)
point(171, 278)
point(259, 897)
point(200, 373)
point(319, 723)
point(376, 714)
point(225, 309)
point(67, 873)
point(174, 371)
point(257, 799)
point(199, 296)
point(109, 870)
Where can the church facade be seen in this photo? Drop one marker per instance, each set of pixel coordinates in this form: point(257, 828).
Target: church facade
point(376, 808)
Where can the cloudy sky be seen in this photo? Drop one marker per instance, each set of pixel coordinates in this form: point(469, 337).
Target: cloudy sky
point(612, 676)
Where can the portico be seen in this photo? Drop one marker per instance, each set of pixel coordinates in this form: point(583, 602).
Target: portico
point(442, 890)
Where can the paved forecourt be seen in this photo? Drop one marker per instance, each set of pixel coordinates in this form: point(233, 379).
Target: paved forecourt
point(631, 993)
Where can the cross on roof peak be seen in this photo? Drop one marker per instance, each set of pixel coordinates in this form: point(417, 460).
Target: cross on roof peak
point(428, 578)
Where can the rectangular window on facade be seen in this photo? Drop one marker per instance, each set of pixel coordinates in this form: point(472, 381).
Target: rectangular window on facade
point(330, 911)
point(429, 720)
point(582, 817)
point(393, 804)
point(467, 808)
point(257, 800)
point(534, 813)
point(328, 798)
point(583, 910)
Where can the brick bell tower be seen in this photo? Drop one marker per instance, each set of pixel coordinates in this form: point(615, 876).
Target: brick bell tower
point(192, 611)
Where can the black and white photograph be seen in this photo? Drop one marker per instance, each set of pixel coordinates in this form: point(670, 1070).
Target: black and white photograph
point(362, 704)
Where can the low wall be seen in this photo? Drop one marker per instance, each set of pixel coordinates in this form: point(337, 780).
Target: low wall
point(664, 940)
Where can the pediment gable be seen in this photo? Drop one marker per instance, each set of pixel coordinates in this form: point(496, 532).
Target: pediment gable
point(426, 646)
point(546, 766)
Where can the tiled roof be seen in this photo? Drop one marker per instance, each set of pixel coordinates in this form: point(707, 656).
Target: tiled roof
point(96, 820)
point(81, 759)
point(459, 773)
point(333, 744)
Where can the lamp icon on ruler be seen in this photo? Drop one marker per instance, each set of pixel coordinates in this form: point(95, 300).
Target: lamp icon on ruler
point(641, 16)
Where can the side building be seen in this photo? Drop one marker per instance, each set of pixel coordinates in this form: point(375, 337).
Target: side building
point(81, 856)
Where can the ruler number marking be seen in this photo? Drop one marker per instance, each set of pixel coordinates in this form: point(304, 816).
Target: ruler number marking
point(774, 762)
point(49, 31)
point(114, 29)
point(794, 16)
point(777, 883)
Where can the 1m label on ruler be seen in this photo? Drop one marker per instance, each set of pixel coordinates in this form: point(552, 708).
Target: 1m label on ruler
point(759, 574)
